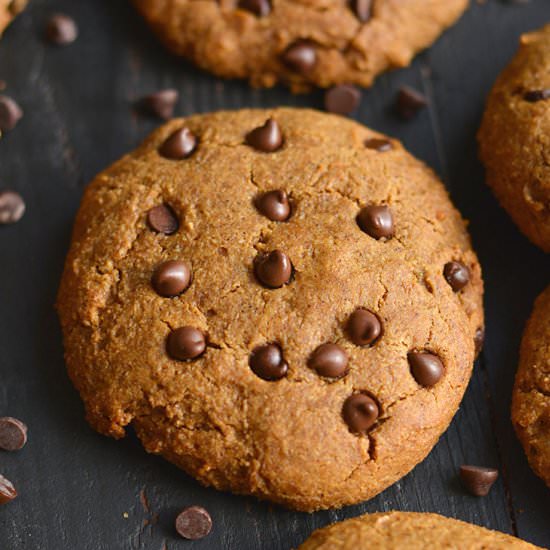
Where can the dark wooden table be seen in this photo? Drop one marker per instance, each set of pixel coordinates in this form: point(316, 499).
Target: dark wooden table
point(81, 491)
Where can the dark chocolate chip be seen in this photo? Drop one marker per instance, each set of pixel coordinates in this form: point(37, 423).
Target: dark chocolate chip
point(61, 29)
point(300, 57)
point(267, 138)
point(379, 144)
point(160, 104)
point(362, 9)
point(342, 99)
point(185, 343)
point(274, 269)
point(409, 102)
point(7, 490)
point(163, 219)
point(193, 523)
point(329, 360)
point(179, 145)
point(12, 207)
point(376, 221)
point(360, 412)
point(268, 362)
point(274, 205)
point(479, 339)
point(426, 368)
point(10, 113)
point(171, 278)
point(13, 434)
point(364, 327)
point(478, 480)
point(457, 275)
point(257, 7)
point(537, 95)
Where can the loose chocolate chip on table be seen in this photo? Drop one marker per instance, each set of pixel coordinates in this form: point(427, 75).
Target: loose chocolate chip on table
point(379, 144)
point(362, 9)
point(300, 57)
point(273, 269)
point(479, 339)
point(163, 219)
point(193, 523)
point(342, 99)
point(160, 104)
point(268, 362)
point(376, 221)
point(457, 275)
point(13, 434)
point(537, 95)
point(61, 30)
point(185, 343)
point(7, 490)
point(274, 205)
point(10, 113)
point(179, 145)
point(426, 368)
point(360, 412)
point(12, 207)
point(267, 138)
point(364, 327)
point(478, 480)
point(258, 7)
point(409, 102)
point(171, 278)
point(329, 360)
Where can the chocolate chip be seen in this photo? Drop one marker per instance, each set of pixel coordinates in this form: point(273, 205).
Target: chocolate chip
point(479, 339)
point(537, 95)
point(267, 138)
point(61, 30)
point(379, 144)
point(10, 113)
point(300, 57)
point(409, 102)
point(274, 205)
point(376, 221)
point(171, 278)
point(362, 9)
point(457, 275)
point(426, 368)
point(478, 480)
point(360, 412)
point(160, 104)
point(342, 99)
point(268, 362)
point(364, 327)
point(7, 490)
point(193, 523)
point(274, 269)
point(12, 207)
point(329, 360)
point(179, 145)
point(13, 434)
point(186, 343)
point(258, 7)
point(163, 219)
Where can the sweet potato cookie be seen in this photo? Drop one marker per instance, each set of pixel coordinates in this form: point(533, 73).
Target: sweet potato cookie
point(283, 303)
point(8, 10)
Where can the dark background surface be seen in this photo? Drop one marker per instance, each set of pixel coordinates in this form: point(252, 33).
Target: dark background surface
point(81, 491)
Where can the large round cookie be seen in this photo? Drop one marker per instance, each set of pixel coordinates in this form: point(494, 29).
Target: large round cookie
point(307, 231)
point(531, 398)
point(410, 531)
point(8, 10)
point(515, 138)
point(300, 42)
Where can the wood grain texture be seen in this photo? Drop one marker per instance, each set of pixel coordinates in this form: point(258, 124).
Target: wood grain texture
point(76, 487)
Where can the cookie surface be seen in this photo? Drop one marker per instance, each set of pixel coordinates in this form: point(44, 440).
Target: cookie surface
point(531, 397)
point(411, 531)
point(515, 138)
point(8, 10)
point(300, 42)
point(320, 305)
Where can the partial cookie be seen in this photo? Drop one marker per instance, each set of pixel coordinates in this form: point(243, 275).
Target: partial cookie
point(531, 398)
point(515, 138)
point(8, 10)
point(300, 42)
point(410, 531)
point(283, 303)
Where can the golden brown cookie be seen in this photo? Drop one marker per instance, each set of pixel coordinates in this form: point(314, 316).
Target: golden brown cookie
point(300, 42)
point(313, 332)
point(515, 137)
point(410, 531)
point(531, 398)
point(8, 10)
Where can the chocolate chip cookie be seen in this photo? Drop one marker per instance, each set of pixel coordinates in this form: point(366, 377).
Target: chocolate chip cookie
point(283, 303)
point(515, 138)
point(531, 398)
point(410, 531)
point(8, 10)
point(302, 43)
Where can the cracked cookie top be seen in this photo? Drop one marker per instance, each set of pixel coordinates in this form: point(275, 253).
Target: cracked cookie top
point(273, 304)
point(300, 42)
